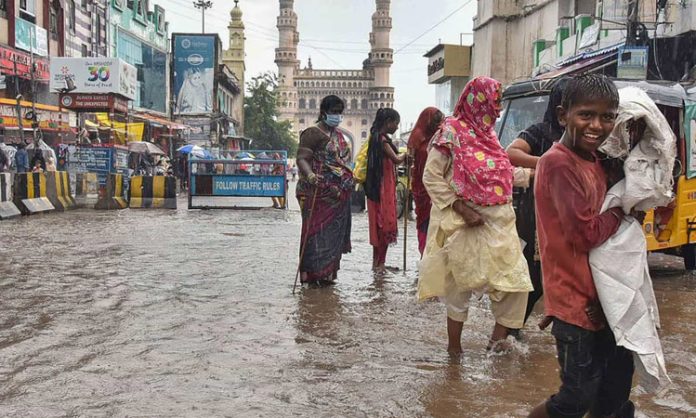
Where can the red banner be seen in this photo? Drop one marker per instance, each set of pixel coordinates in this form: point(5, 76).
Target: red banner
point(8, 56)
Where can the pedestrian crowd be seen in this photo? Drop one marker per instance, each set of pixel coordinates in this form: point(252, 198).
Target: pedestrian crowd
point(472, 239)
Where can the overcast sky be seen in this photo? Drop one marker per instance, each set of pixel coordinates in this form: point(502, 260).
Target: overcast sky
point(335, 34)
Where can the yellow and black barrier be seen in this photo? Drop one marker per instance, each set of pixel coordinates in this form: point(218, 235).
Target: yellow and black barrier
point(86, 189)
point(111, 195)
point(30, 193)
point(7, 208)
point(152, 192)
point(58, 190)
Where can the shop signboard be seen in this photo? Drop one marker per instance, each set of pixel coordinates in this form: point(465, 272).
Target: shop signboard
point(632, 63)
point(199, 129)
point(94, 75)
point(102, 159)
point(94, 102)
point(48, 120)
point(30, 37)
point(193, 73)
point(11, 58)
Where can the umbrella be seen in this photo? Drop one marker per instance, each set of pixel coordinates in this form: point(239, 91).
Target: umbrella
point(186, 149)
point(262, 156)
point(244, 156)
point(142, 147)
point(196, 151)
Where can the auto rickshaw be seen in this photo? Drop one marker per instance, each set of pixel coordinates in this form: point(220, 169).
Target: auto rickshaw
point(670, 230)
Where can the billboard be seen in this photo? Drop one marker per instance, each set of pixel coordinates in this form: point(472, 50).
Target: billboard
point(194, 70)
point(94, 75)
point(30, 37)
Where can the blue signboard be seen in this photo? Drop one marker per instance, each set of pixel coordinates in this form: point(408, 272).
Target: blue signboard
point(251, 186)
point(194, 70)
point(100, 160)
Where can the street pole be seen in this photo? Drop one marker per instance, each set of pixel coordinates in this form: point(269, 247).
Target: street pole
point(32, 69)
point(18, 96)
point(203, 5)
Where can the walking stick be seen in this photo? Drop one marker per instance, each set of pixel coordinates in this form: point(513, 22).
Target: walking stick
point(303, 245)
point(407, 206)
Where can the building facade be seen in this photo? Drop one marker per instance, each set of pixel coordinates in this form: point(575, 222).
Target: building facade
point(516, 39)
point(449, 69)
point(139, 35)
point(27, 40)
point(233, 58)
point(363, 90)
point(85, 27)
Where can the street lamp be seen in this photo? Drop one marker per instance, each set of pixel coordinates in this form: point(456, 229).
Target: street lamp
point(203, 5)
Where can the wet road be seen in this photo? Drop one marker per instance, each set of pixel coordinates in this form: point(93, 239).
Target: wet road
point(190, 314)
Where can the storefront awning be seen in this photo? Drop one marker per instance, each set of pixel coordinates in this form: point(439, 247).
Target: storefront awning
point(160, 122)
point(584, 61)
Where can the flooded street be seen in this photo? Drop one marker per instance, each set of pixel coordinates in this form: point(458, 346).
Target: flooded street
point(146, 313)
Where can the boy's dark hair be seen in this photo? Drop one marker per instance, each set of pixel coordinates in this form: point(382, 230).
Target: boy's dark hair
point(587, 87)
point(328, 102)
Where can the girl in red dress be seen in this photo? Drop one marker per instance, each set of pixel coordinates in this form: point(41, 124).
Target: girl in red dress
point(380, 186)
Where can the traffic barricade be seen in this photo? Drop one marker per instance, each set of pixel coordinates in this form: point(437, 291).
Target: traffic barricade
point(86, 189)
point(7, 208)
point(249, 180)
point(111, 195)
point(152, 192)
point(30, 193)
point(58, 190)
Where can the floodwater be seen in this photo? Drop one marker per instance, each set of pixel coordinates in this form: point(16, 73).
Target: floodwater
point(148, 313)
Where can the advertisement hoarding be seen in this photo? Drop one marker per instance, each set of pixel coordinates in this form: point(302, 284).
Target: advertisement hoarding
point(30, 37)
point(194, 70)
point(94, 75)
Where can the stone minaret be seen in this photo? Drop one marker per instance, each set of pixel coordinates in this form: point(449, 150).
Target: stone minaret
point(234, 59)
point(286, 59)
point(381, 56)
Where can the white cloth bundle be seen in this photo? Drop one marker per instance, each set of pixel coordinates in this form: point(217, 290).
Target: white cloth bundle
point(620, 265)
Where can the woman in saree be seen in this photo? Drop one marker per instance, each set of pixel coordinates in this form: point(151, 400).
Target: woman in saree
point(426, 126)
point(324, 191)
point(472, 245)
point(380, 186)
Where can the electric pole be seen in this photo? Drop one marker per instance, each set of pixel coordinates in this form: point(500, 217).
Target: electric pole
point(203, 5)
point(32, 70)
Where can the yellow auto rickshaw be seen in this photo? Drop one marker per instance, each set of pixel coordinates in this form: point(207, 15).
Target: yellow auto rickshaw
point(669, 230)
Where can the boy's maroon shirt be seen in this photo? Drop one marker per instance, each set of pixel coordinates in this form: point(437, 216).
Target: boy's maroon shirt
point(569, 192)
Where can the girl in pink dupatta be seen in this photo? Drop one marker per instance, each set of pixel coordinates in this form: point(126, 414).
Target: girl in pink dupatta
point(472, 243)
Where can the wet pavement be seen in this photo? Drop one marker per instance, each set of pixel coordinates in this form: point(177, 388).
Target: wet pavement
point(148, 313)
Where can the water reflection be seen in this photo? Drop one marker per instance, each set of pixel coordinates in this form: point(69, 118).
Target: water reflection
point(190, 313)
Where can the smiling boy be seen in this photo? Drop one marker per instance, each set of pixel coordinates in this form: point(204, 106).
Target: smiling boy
point(570, 189)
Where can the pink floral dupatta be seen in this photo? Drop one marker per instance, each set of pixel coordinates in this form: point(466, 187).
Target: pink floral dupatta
point(482, 172)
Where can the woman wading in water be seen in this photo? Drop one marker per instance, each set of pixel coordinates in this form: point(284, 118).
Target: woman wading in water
point(323, 191)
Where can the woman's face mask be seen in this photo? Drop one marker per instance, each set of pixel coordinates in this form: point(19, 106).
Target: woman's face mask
point(333, 120)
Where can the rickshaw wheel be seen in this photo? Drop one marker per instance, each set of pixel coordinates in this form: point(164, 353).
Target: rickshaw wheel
point(689, 254)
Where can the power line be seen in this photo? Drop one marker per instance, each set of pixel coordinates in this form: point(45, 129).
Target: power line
point(434, 26)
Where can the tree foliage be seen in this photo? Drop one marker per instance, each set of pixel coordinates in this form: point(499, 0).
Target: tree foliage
point(261, 122)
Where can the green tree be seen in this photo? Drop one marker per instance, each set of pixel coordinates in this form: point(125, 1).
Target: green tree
point(261, 116)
